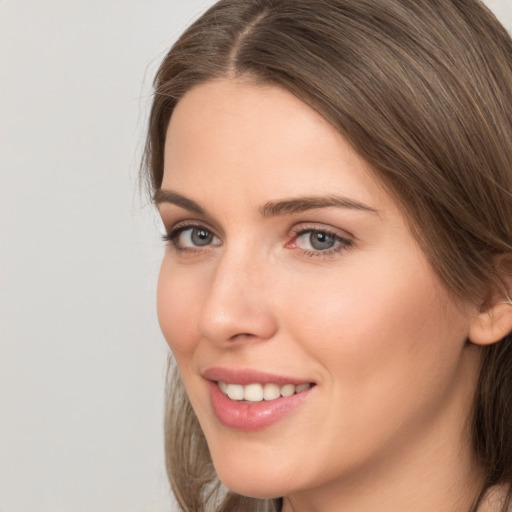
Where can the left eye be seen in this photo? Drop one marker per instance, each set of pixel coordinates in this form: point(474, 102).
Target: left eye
point(317, 240)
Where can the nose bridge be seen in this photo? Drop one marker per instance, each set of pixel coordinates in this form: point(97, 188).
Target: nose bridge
point(237, 304)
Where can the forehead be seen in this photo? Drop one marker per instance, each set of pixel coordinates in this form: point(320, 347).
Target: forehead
point(251, 139)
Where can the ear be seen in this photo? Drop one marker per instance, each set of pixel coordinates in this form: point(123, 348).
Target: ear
point(494, 321)
point(491, 325)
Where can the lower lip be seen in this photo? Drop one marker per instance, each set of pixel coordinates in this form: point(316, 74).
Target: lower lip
point(255, 415)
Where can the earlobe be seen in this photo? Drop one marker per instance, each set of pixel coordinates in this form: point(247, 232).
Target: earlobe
point(493, 324)
point(494, 321)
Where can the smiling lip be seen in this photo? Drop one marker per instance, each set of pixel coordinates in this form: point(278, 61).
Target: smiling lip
point(243, 415)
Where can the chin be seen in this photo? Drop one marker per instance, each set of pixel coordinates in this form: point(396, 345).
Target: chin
point(254, 489)
point(247, 479)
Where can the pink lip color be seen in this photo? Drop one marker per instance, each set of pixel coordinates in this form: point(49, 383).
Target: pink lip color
point(250, 416)
point(246, 376)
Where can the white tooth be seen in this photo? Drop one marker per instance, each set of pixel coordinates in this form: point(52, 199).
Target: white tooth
point(302, 387)
point(223, 387)
point(253, 392)
point(235, 391)
point(271, 392)
point(287, 390)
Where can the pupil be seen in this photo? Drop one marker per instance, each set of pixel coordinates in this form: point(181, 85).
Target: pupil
point(321, 241)
point(201, 237)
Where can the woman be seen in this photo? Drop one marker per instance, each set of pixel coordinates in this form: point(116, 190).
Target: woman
point(335, 180)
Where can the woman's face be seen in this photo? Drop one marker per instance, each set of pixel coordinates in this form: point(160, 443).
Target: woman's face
point(291, 275)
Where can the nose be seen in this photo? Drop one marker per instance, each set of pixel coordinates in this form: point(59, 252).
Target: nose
point(238, 304)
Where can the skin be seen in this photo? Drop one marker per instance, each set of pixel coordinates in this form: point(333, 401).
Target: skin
point(369, 321)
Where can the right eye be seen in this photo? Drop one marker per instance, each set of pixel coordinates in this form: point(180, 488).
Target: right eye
point(192, 237)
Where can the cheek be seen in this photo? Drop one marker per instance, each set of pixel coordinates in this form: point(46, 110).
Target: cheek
point(177, 300)
point(388, 359)
point(380, 326)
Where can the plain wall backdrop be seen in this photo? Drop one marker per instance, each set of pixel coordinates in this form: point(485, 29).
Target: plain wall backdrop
point(82, 360)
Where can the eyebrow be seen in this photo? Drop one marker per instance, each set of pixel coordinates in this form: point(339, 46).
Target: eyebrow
point(271, 208)
point(302, 204)
point(168, 196)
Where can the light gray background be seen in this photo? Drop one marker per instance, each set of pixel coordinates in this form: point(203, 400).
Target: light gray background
point(82, 361)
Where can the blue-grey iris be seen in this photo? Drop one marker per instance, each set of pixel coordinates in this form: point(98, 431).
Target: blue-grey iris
point(321, 241)
point(201, 237)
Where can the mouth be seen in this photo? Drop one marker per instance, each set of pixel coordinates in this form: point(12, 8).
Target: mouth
point(251, 400)
point(256, 392)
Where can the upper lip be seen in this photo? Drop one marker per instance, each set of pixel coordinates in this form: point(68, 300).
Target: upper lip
point(246, 376)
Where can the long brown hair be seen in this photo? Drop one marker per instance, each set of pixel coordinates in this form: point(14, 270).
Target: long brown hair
point(422, 89)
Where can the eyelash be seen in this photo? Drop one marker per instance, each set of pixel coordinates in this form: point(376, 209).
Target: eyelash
point(342, 243)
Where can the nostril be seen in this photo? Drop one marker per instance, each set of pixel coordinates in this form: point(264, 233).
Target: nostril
point(242, 335)
point(238, 321)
